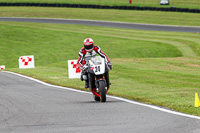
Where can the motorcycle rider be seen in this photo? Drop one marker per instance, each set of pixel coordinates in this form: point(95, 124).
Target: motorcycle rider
point(85, 54)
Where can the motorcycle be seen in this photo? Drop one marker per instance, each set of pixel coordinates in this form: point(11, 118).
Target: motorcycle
point(98, 75)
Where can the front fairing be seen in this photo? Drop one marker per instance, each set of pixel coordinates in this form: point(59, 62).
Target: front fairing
point(97, 66)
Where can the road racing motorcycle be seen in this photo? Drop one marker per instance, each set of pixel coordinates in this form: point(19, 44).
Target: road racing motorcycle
point(98, 76)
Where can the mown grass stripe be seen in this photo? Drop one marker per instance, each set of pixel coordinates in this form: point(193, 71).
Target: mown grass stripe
point(185, 49)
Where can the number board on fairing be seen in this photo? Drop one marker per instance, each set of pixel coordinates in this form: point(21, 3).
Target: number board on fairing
point(97, 69)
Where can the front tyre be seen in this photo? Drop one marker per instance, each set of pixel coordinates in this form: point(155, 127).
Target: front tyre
point(102, 91)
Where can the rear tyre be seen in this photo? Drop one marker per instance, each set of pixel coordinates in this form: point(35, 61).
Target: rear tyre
point(102, 91)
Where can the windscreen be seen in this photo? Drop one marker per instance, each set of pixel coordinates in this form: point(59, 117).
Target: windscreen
point(97, 60)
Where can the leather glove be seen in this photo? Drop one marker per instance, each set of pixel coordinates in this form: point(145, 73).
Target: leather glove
point(110, 65)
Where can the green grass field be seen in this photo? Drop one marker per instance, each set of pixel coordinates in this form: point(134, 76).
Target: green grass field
point(160, 68)
point(195, 4)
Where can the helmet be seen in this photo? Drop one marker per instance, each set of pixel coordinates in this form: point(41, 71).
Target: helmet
point(88, 44)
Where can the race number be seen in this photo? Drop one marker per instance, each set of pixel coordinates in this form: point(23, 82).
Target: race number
point(97, 69)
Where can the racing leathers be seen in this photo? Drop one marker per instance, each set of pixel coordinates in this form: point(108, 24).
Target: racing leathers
point(85, 56)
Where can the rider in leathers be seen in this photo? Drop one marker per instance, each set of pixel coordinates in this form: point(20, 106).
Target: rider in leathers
point(85, 54)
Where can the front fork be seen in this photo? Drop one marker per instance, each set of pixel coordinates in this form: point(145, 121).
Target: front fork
point(98, 79)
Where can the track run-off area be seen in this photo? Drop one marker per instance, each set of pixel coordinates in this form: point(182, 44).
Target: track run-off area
point(30, 105)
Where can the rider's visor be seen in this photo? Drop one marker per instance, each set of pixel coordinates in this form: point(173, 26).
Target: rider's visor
point(88, 47)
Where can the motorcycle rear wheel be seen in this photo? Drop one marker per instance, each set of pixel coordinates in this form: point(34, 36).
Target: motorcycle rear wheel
point(102, 91)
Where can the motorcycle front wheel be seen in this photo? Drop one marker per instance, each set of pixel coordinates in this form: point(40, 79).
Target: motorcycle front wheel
point(102, 91)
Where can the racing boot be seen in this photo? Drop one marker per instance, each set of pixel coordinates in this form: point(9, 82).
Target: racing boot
point(86, 84)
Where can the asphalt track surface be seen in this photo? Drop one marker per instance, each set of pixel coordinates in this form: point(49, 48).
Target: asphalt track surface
point(106, 24)
point(27, 106)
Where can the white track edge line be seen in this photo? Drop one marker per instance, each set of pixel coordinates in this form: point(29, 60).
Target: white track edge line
point(114, 97)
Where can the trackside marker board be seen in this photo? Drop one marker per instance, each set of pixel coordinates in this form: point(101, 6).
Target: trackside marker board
point(2, 67)
point(26, 61)
point(73, 70)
